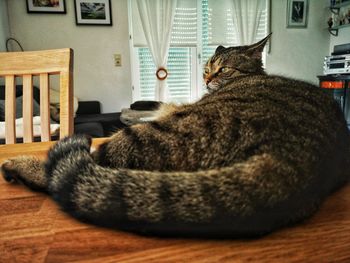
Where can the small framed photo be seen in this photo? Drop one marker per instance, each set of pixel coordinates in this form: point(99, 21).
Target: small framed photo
point(93, 12)
point(46, 6)
point(297, 11)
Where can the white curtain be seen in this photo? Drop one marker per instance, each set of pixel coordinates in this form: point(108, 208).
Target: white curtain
point(157, 18)
point(246, 17)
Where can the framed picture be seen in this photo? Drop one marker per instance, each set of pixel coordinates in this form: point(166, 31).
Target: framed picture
point(93, 12)
point(46, 6)
point(297, 11)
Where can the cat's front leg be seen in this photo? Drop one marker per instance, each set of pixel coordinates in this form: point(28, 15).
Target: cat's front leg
point(35, 173)
point(27, 170)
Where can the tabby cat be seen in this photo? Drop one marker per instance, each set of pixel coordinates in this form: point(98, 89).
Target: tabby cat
point(257, 153)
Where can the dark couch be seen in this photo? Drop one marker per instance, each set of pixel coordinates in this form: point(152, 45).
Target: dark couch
point(90, 120)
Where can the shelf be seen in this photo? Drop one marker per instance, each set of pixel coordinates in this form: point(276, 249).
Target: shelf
point(342, 26)
point(344, 3)
point(334, 30)
point(335, 8)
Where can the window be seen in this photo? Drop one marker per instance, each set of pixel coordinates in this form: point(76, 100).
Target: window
point(180, 74)
point(194, 39)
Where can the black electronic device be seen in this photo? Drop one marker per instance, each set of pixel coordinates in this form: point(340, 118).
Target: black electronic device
point(341, 49)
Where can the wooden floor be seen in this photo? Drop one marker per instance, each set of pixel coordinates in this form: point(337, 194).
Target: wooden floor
point(33, 229)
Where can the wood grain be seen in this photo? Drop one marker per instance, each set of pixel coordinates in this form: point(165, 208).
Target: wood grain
point(45, 107)
point(35, 62)
point(34, 229)
point(66, 104)
point(27, 108)
point(10, 109)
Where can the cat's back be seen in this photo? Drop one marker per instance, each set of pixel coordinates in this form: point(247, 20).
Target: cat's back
point(253, 86)
point(280, 96)
point(290, 118)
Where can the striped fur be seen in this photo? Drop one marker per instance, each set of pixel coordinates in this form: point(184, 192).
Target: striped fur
point(256, 154)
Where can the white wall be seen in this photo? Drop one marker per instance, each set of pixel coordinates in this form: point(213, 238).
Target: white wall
point(95, 76)
point(299, 52)
point(4, 27)
point(342, 38)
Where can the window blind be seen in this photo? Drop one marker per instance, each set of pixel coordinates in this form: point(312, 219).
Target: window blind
point(179, 78)
point(180, 73)
point(184, 31)
point(147, 75)
point(263, 28)
point(222, 31)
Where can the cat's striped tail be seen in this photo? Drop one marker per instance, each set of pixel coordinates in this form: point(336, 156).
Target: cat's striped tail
point(245, 199)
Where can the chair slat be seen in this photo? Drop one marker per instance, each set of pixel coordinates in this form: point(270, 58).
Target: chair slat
point(35, 62)
point(45, 107)
point(10, 109)
point(66, 104)
point(27, 108)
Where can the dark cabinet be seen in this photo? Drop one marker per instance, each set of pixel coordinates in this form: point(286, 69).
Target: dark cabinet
point(338, 86)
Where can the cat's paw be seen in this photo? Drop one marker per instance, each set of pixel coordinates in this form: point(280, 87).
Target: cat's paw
point(9, 173)
point(25, 169)
point(64, 147)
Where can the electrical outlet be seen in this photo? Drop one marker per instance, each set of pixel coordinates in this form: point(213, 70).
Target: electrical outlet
point(117, 60)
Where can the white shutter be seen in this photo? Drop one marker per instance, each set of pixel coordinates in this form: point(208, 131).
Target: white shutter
point(184, 31)
point(263, 28)
point(147, 71)
point(208, 48)
point(180, 60)
point(221, 31)
point(139, 39)
point(180, 74)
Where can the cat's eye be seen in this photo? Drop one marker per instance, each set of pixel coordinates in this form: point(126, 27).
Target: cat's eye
point(224, 69)
point(206, 71)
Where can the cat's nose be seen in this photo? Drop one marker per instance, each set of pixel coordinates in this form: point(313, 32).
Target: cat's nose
point(207, 81)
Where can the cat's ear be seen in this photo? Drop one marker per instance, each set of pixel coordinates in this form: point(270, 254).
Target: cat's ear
point(219, 49)
point(255, 50)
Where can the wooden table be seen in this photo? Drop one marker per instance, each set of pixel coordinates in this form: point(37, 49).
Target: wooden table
point(33, 229)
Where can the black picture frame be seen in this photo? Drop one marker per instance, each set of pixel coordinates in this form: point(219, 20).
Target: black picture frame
point(46, 6)
point(93, 12)
point(297, 13)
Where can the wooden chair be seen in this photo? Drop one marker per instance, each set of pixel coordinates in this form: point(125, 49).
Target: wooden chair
point(43, 64)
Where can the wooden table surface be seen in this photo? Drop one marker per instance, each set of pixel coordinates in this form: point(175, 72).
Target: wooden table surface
point(33, 229)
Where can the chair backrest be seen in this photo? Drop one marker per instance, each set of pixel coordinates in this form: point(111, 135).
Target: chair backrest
point(43, 64)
